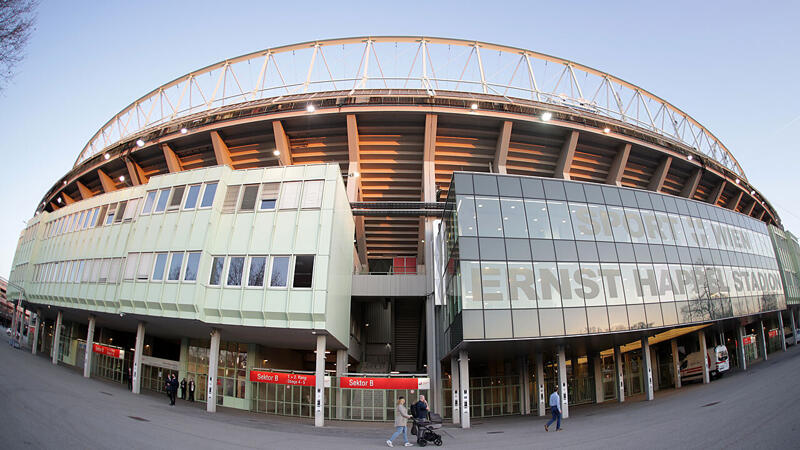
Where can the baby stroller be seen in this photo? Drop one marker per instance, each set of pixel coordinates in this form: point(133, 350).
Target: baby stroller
point(424, 429)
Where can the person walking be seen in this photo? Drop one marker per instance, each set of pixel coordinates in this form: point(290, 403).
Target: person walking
point(401, 417)
point(191, 390)
point(183, 389)
point(174, 381)
point(420, 412)
point(130, 379)
point(168, 388)
point(555, 409)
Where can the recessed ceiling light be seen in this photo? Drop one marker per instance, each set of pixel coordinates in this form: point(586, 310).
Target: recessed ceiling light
point(59, 199)
point(311, 107)
point(122, 178)
point(737, 181)
point(106, 156)
point(690, 157)
point(473, 106)
point(547, 115)
point(606, 130)
point(184, 130)
point(276, 152)
point(140, 143)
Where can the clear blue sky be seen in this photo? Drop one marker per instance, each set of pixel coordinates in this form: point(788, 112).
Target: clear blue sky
point(733, 66)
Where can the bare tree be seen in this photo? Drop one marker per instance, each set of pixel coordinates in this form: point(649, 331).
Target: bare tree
point(17, 18)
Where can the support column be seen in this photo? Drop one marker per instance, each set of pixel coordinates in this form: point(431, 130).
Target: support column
point(57, 337)
point(455, 387)
point(740, 345)
point(780, 331)
point(563, 391)
point(14, 317)
point(701, 335)
point(37, 322)
point(648, 369)
point(525, 387)
point(87, 360)
point(319, 374)
point(434, 369)
point(341, 369)
point(656, 375)
point(136, 373)
point(676, 364)
point(597, 362)
point(763, 339)
point(620, 374)
point(509, 393)
point(794, 326)
point(213, 366)
point(540, 383)
point(463, 384)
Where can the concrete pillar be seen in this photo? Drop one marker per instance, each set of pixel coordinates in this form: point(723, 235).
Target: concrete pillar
point(618, 364)
point(213, 369)
point(780, 331)
point(463, 384)
point(136, 373)
point(794, 326)
point(87, 359)
point(525, 387)
point(14, 318)
point(183, 359)
point(701, 336)
point(319, 388)
point(455, 387)
point(57, 337)
point(597, 362)
point(740, 345)
point(656, 375)
point(507, 367)
point(38, 320)
point(540, 383)
point(563, 390)
point(676, 364)
point(341, 369)
point(763, 339)
point(648, 369)
point(434, 368)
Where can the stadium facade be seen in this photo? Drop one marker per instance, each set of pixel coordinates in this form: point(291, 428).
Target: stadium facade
point(315, 229)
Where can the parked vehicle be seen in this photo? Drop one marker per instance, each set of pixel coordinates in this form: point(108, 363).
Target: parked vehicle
point(692, 364)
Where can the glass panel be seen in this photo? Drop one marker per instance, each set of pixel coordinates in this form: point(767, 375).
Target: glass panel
point(290, 195)
point(592, 282)
point(158, 269)
point(551, 322)
point(249, 197)
point(280, 271)
point(618, 318)
point(677, 229)
point(257, 268)
point(631, 282)
point(522, 289)
point(216, 270)
point(538, 221)
point(651, 227)
point(664, 228)
point(175, 267)
point(514, 224)
point(619, 226)
point(303, 271)
point(235, 268)
point(581, 222)
point(635, 226)
point(465, 213)
point(571, 288)
point(601, 225)
point(191, 197)
point(612, 284)
point(489, 220)
point(163, 196)
point(145, 264)
point(575, 321)
point(559, 220)
point(312, 194)
point(471, 285)
point(176, 198)
point(192, 262)
point(547, 285)
point(598, 319)
point(649, 283)
point(208, 195)
point(494, 285)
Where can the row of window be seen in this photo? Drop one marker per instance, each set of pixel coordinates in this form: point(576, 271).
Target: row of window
point(97, 270)
point(232, 270)
point(501, 285)
point(123, 211)
point(171, 198)
point(28, 233)
point(269, 196)
point(550, 219)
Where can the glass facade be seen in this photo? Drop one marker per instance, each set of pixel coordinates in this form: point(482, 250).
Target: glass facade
point(530, 257)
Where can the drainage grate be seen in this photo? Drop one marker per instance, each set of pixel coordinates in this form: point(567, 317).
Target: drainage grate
point(495, 432)
point(140, 419)
point(107, 393)
point(709, 404)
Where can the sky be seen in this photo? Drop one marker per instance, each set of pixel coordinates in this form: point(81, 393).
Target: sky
point(730, 65)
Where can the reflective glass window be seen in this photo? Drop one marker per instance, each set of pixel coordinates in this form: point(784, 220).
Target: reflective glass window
point(598, 319)
point(635, 226)
point(651, 226)
point(551, 322)
point(649, 283)
point(666, 288)
point(631, 283)
point(494, 282)
point(235, 269)
point(216, 270)
point(192, 196)
point(677, 229)
point(175, 265)
point(521, 285)
point(280, 271)
point(514, 224)
point(161, 204)
point(208, 195)
point(664, 228)
point(636, 317)
point(669, 314)
point(560, 223)
point(581, 222)
point(548, 288)
point(158, 269)
point(617, 318)
point(612, 283)
point(471, 285)
point(601, 225)
point(619, 226)
point(538, 221)
point(571, 287)
point(575, 321)
point(303, 271)
point(591, 279)
point(465, 213)
point(489, 220)
point(192, 263)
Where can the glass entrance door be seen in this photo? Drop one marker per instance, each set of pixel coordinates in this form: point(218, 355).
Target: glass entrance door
point(633, 375)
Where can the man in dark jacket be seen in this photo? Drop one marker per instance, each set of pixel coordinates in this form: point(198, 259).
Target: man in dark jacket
point(183, 389)
point(174, 383)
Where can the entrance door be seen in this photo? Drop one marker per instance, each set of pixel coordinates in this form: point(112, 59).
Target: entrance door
point(633, 378)
point(609, 378)
point(750, 347)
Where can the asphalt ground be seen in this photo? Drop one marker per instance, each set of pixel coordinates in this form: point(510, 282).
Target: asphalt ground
point(45, 406)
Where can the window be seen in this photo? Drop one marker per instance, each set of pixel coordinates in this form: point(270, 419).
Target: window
point(120, 212)
point(192, 262)
point(303, 271)
point(560, 223)
point(105, 266)
point(81, 220)
point(175, 267)
point(466, 217)
point(148, 202)
point(158, 269)
point(235, 271)
point(257, 268)
point(113, 274)
point(145, 263)
point(191, 197)
point(489, 220)
point(130, 266)
point(249, 198)
point(79, 275)
point(229, 204)
point(280, 271)
point(96, 270)
point(208, 195)
point(269, 195)
point(312, 194)
point(514, 223)
point(163, 196)
point(290, 195)
point(87, 271)
point(95, 215)
point(177, 197)
point(110, 213)
point(216, 270)
point(130, 210)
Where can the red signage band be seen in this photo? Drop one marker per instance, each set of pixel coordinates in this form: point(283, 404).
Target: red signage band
point(294, 379)
point(773, 333)
point(378, 383)
point(108, 351)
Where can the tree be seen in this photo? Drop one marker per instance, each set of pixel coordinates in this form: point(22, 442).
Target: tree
point(17, 18)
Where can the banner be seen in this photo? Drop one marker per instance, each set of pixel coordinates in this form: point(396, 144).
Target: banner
point(292, 379)
point(773, 333)
point(108, 351)
point(384, 383)
point(162, 363)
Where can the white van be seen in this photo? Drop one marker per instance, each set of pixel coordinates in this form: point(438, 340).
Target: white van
point(692, 364)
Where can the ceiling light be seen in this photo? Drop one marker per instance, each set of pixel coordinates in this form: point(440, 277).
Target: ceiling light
point(547, 115)
point(473, 106)
point(606, 130)
point(106, 156)
point(276, 152)
point(356, 174)
point(59, 199)
point(65, 182)
point(737, 181)
point(184, 130)
point(310, 108)
point(122, 178)
point(690, 157)
point(140, 143)
point(753, 192)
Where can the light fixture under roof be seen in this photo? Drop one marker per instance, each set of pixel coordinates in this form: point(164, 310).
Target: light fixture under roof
point(737, 181)
point(276, 152)
point(690, 157)
point(473, 106)
point(547, 115)
point(106, 156)
point(753, 192)
point(122, 178)
point(59, 199)
point(140, 143)
point(311, 107)
point(184, 130)
point(606, 130)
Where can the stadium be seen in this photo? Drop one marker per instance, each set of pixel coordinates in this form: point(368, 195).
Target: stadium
point(314, 229)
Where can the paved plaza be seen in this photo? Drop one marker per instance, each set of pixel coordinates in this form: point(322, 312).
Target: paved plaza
point(43, 406)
